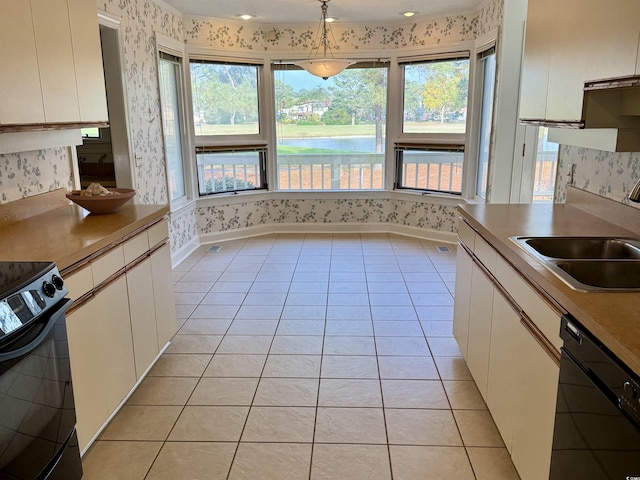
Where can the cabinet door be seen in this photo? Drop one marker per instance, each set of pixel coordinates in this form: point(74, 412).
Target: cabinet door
point(503, 367)
point(535, 405)
point(88, 367)
point(464, 265)
point(143, 316)
point(20, 94)
point(479, 342)
point(535, 63)
point(87, 56)
point(55, 60)
point(119, 374)
point(163, 295)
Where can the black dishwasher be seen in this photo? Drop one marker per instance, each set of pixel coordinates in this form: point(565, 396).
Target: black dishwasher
point(597, 425)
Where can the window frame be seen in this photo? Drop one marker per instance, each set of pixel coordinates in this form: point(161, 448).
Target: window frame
point(436, 140)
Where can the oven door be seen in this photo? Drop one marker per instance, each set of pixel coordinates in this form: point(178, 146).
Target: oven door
point(593, 439)
point(37, 414)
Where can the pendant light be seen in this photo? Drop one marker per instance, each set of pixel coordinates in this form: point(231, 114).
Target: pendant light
point(327, 65)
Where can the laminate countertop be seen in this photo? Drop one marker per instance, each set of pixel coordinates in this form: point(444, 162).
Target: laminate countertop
point(614, 318)
point(69, 234)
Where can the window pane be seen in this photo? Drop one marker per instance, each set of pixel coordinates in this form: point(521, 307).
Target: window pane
point(225, 98)
point(170, 101)
point(435, 96)
point(227, 171)
point(430, 169)
point(546, 166)
point(488, 66)
point(331, 134)
point(90, 132)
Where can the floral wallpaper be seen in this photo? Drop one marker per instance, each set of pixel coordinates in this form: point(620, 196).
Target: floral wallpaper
point(183, 229)
point(29, 173)
point(608, 174)
point(222, 218)
point(490, 16)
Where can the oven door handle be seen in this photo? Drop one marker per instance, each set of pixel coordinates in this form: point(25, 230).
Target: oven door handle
point(51, 322)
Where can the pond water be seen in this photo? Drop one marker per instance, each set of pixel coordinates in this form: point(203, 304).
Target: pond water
point(349, 144)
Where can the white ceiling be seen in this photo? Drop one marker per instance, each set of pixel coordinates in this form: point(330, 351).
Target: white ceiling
point(283, 12)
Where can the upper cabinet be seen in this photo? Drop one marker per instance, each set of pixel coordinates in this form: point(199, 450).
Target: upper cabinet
point(569, 43)
point(52, 76)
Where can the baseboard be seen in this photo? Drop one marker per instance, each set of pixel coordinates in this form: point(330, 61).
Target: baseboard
point(425, 234)
point(178, 257)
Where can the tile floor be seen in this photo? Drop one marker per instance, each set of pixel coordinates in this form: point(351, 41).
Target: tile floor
point(308, 357)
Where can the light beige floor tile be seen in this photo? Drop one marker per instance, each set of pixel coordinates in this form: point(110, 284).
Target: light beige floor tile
point(184, 311)
point(271, 461)
point(224, 391)
point(287, 392)
point(408, 368)
point(406, 346)
point(214, 312)
point(269, 287)
point(188, 298)
point(350, 425)
point(438, 329)
point(209, 424)
point(304, 312)
point(414, 394)
point(202, 287)
point(202, 326)
point(430, 463)
point(347, 287)
point(352, 462)
point(422, 427)
point(398, 328)
point(348, 312)
point(235, 366)
point(280, 424)
point(180, 365)
point(298, 327)
point(349, 393)
point(492, 464)
point(394, 312)
point(217, 298)
point(135, 422)
point(452, 368)
point(194, 344)
point(163, 391)
point(297, 344)
point(301, 366)
point(253, 312)
point(348, 299)
point(387, 287)
point(432, 299)
point(113, 460)
point(306, 299)
point(193, 460)
point(464, 395)
point(444, 347)
point(435, 312)
point(265, 298)
point(359, 328)
point(231, 287)
point(253, 327)
point(341, 366)
point(477, 428)
point(308, 287)
point(349, 345)
point(250, 344)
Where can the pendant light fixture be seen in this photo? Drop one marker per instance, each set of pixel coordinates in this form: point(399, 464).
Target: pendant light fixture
point(325, 65)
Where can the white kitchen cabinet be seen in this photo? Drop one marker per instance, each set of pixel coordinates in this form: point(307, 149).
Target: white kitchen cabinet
point(464, 267)
point(481, 306)
point(55, 60)
point(20, 93)
point(163, 296)
point(143, 316)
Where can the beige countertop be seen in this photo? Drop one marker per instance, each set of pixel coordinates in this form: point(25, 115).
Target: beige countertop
point(614, 318)
point(68, 234)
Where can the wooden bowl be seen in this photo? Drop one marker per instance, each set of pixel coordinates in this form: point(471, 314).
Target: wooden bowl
point(103, 204)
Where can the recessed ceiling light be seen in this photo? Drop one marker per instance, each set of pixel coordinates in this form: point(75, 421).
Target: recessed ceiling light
point(246, 16)
point(409, 14)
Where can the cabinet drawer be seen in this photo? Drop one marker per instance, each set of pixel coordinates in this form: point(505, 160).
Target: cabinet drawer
point(79, 282)
point(107, 265)
point(158, 232)
point(136, 246)
point(485, 253)
point(466, 234)
point(540, 312)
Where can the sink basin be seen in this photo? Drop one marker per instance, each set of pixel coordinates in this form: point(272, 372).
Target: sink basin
point(589, 263)
point(583, 247)
point(608, 275)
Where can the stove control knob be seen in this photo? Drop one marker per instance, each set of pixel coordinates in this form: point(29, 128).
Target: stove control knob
point(49, 289)
point(630, 390)
point(57, 282)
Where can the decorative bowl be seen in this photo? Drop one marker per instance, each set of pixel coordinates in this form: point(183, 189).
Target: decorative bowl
point(100, 204)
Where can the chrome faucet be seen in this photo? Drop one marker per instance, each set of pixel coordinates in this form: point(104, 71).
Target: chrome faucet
point(634, 195)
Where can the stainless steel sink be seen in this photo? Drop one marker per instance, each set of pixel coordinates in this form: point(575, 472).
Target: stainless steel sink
point(589, 263)
point(583, 247)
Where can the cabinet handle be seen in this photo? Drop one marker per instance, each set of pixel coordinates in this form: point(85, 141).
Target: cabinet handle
point(539, 337)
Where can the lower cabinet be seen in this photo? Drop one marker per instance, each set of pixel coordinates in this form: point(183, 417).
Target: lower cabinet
point(516, 376)
point(163, 297)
